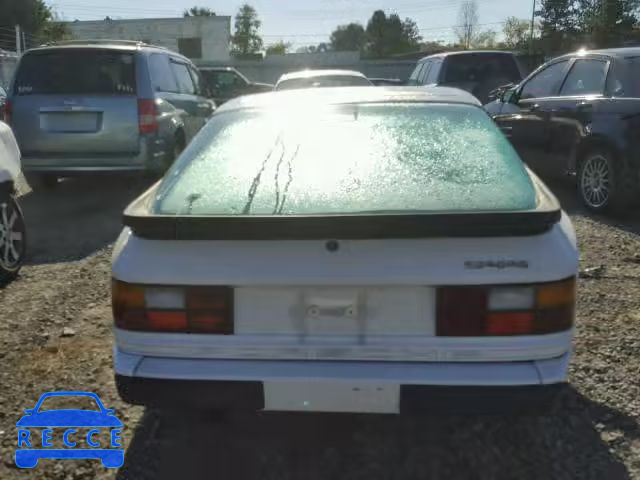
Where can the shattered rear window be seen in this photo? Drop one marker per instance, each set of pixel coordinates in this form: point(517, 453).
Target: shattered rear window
point(369, 158)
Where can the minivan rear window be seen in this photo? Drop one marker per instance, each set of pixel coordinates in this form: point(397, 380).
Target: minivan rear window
point(76, 71)
point(351, 159)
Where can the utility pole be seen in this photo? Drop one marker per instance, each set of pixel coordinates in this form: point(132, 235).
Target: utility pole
point(18, 41)
point(24, 42)
point(533, 19)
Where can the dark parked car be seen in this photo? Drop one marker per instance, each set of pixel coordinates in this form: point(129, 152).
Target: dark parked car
point(225, 83)
point(103, 106)
point(580, 114)
point(3, 99)
point(387, 82)
point(476, 71)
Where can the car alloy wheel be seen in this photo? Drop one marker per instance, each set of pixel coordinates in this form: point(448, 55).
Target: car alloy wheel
point(595, 181)
point(12, 236)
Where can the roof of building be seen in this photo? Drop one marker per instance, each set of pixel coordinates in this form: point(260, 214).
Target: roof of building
point(192, 18)
point(351, 95)
point(320, 73)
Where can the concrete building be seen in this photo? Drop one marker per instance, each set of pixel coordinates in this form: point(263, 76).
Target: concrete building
point(199, 38)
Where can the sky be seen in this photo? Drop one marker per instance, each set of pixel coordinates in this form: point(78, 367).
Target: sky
point(307, 22)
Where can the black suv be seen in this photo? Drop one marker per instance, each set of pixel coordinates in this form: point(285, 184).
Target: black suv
point(225, 83)
point(580, 114)
point(477, 71)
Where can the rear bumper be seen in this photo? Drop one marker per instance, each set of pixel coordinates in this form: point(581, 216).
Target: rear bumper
point(150, 157)
point(250, 395)
point(246, 384)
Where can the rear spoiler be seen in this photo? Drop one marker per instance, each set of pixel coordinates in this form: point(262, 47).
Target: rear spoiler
point(343, 226)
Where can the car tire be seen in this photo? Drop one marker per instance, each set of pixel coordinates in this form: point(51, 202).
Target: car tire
point(603, 184)
point(13, 238)
point(42, 181)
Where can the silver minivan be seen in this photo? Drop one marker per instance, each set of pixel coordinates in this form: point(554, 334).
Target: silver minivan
point(479, 72)
point(103, 106)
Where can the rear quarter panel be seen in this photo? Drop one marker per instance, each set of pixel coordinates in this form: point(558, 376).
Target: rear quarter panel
point(616, 126)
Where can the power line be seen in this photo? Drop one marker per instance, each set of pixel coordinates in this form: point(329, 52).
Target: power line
point(298, 14)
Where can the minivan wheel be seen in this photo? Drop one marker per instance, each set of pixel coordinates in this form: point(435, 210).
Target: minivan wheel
point(602, 184)
point(13, 238)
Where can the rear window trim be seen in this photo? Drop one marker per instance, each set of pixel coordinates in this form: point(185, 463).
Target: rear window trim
point(355, 226)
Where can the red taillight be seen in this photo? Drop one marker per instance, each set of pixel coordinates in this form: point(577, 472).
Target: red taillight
point(147, 116)
point(173, 309)
point(505, 309)
point(7, 111)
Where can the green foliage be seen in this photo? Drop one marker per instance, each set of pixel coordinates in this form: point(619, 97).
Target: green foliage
point(246, 39)
point(199, 12)
point(348, 38)
point(516, 33)
point(607, 22)
point(388, 35)
point(278, 48)
point(36, 19)
point(569, 24)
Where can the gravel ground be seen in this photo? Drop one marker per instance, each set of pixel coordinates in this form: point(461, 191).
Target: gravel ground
point(594, 433)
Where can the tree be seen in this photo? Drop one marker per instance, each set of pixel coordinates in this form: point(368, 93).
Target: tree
point(199, 12)
point(36, 19)
point(559, 29)
point(376, 33)
point(486, 39)
point(54, 30)
point(246, 39)
point(607, 22)
point(411, 34)
point(278, 48)
point(467, 23)
point(390, 35)
point(320, 48)
point(306, 49)
point(348, 37)
point(516, 32)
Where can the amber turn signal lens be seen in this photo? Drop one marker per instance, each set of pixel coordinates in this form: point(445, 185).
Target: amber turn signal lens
point(557, 294)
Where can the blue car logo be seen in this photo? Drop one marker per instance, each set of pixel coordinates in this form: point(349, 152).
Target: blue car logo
point(31, 448)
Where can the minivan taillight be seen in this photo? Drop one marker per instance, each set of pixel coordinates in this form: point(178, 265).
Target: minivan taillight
point(472, 311)
point(172, 309)
point(147, 116)
point(7, 111)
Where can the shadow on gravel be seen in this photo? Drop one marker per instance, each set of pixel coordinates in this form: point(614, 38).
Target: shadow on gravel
point(566, 193)
point(77, 217)
point(564, 444)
